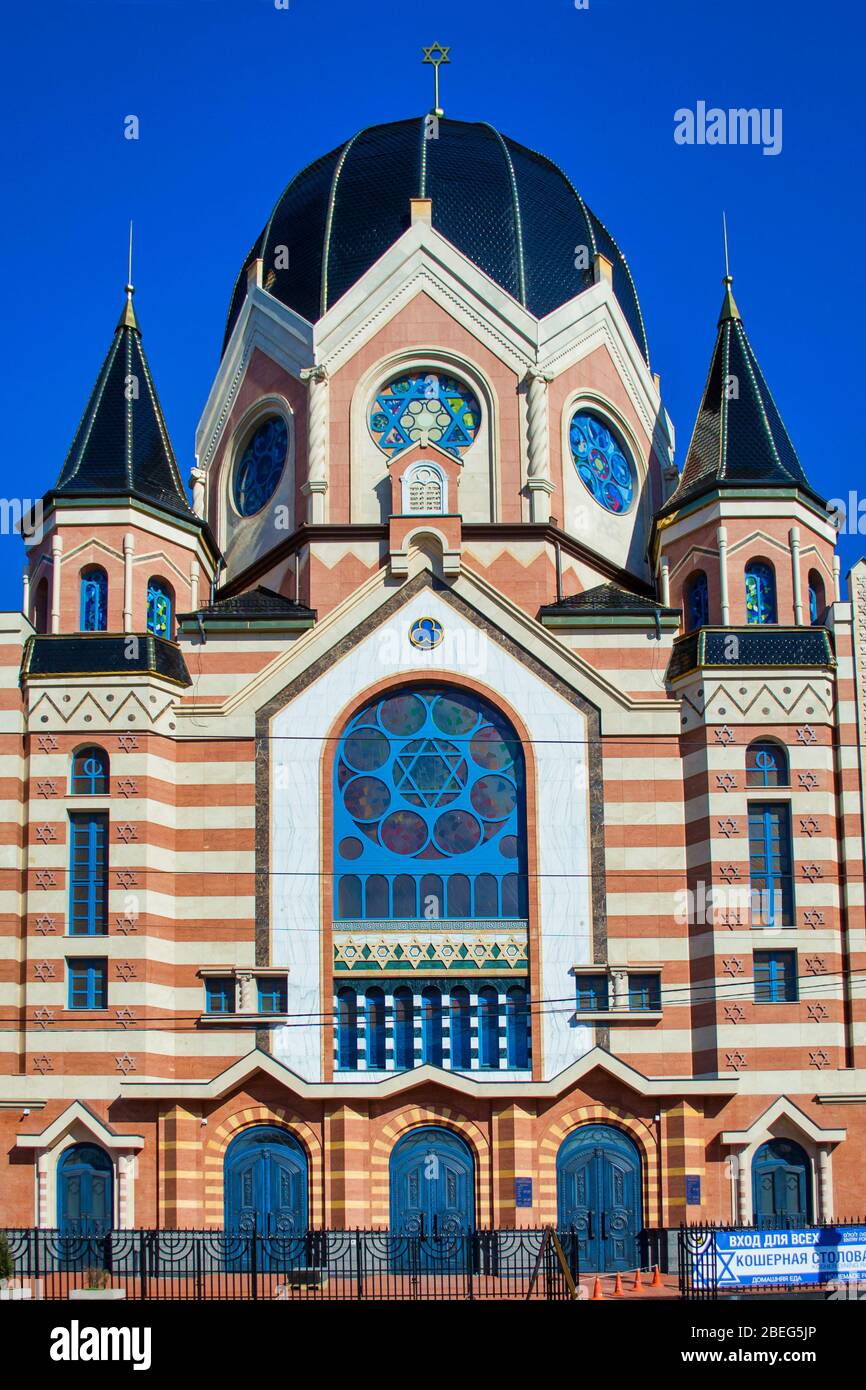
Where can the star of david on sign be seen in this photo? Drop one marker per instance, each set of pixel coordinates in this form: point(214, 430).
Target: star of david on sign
point(430, 772)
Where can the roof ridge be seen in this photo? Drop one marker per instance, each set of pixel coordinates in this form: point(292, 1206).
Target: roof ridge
point(518, 219)
point(329, 220)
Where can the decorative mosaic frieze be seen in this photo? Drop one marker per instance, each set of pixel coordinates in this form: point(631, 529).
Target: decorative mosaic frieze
point(402, 946)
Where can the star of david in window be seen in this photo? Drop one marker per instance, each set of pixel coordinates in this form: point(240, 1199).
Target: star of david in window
point(430, 772)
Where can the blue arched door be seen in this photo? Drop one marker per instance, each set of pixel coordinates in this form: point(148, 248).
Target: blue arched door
point(432, 1184)
point(266, 1183)
point(781, 1185)
point(85, 1191)
point(598, 1180)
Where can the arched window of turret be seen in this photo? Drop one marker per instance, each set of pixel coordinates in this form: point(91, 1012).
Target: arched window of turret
point(767, 764)
point(160, 606)
point(89, 772)
point(817, 598)
point(40, 606)
point(696, 601)
point(94, 599)
point(760, 592)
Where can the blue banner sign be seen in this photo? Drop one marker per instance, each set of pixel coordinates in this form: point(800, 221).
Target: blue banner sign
point(747, 1259)
point(523, 1192)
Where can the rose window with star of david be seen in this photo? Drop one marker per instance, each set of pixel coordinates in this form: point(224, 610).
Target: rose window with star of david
point(425, 408)
point(429, 810)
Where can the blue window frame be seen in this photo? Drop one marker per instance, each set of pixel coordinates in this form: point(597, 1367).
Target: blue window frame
point(94, 599)
point(88, 983)
point(273, 994)
point(159, 606)
point(645, 993)
point(592, 994)
point(517, 1028)
point(425, 406)
point(404, 1029)
point(770, 870)
point(601, 462)
point(429, 817)
point(776, 977)
point(767, 765)
point(347, 1030)
point(88, 873)
point(697, 601)
point(760, 593)
point(220, 994)
point(461, 1029)
point(488, 1027)
point(376, 1029)
point(89, 773)
point(260, 466)
point(431, 1026)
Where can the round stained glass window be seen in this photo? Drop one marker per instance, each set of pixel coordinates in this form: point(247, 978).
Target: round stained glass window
point(260, 466)
point(601, 463)
point(425, 408)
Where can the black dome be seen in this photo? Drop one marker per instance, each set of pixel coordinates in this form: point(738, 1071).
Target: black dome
point(509, 210)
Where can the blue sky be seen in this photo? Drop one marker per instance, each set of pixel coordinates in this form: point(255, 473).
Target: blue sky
point(234, 96)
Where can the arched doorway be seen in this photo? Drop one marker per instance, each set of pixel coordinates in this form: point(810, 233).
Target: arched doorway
point(266, 1183)
point(432, 1183)
point(85, 1191)
point(598, 1185)
point(781, 1185)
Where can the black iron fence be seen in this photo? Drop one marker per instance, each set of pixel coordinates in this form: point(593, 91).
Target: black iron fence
point(707, 1256)
point(204, 1264)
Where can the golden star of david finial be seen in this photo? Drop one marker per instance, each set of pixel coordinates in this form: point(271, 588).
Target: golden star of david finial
point(437, 54)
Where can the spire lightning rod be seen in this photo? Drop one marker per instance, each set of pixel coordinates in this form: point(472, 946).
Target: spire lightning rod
point(725, 235)
point(129, 267)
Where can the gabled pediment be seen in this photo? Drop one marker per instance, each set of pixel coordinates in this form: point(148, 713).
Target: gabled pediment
point(80, 1121)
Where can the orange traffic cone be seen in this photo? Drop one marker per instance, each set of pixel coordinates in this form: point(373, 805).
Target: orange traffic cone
point(596, 1292)
point(617, 1286)
point(638, 1283)
point(656, 1279)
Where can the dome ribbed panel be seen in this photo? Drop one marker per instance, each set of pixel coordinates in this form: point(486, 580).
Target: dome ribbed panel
point(473, 201)
point(371, 207)
point(554, 226)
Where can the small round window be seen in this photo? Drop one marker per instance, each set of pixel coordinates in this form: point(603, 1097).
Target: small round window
point(260, 466)
point(424, 408)
point(601, 463)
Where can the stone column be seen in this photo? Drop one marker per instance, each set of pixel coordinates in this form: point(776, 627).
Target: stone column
point(197, 481)
point(538, 445)
point(128, 552)
point(43, 1217)
point(665, 581)
point(194, 571)
point(794, 538)
point(825, 1194)
point(316, 485)
point(722, 538)
point(56, 552)
point(25, 602)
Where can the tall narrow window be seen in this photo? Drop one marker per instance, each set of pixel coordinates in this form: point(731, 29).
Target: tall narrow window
point(40, 606)
point(772, 879)
point(760, 593)
point(517, 1028)
point(817, 599)
point(347, 1030)
point(159, 608)
point(94, 600)
point(88, 984)
point(88, 874)
point(461, 1031)
point(775, 977)
point(89, 773)
point(375, 1029)
point(431, 1027)
point(488, 1027)
point(404, 1029)
point(697, 602)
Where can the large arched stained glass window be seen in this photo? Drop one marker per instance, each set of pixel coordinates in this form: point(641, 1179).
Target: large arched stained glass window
point(601, 462)
point(760, 592)
point(424, 408)
point(260, 466)
point(429, 810)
